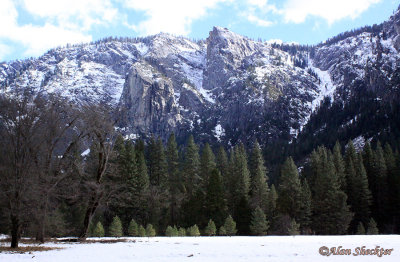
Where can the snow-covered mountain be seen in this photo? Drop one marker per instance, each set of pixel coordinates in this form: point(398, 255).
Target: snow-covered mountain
point(225, 88)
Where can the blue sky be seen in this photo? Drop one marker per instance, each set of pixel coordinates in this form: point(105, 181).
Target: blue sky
point(31, 27)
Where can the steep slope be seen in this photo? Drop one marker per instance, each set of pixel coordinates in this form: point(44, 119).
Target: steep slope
point(364, 70)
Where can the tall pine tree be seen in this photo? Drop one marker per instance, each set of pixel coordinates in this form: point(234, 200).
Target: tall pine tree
point(258, 174)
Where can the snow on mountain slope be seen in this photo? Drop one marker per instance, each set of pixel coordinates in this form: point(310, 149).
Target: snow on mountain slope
point(247, 88)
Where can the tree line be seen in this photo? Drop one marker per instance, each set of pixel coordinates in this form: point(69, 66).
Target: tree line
point(66, 171)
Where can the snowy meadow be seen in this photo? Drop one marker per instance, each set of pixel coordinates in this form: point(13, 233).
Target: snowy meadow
point(238, 248)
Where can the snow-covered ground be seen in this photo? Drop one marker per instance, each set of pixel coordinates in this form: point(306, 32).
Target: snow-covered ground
point(232, 249)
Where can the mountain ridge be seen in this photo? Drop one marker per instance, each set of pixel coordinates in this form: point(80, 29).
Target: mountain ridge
point(224, 89)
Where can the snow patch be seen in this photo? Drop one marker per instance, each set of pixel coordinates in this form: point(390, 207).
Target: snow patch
point(86, 152)
point(327, 88)
point(219, 131)
point(142, 48)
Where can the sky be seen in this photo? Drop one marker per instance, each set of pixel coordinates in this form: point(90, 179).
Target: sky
point(28, 28)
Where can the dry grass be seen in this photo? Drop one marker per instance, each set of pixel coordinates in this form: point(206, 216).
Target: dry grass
point(26, 249)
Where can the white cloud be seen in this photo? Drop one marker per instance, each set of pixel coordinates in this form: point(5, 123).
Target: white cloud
point(73, 13)
point(172, 16)
point(258, 21)
point(331, 10)
point(257, 9)
point(65, 21)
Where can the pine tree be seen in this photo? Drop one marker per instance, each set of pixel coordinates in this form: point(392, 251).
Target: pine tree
point(133, 228)
point(243, 217)
point(150, 231)
point(351, 180)
point(372, 228)
point(222, 162)
point(141, 231)
point(230, 226)
point(116, 227)
point(211, 229)
point(222, 231)
point(331, 214)
point(339, 165)
point(380, 186)
point(259, 224)
point(175, 231)
point(305, 208)
point(126, 177)
point(240, 175)
point(294, 228)
point(393, 180)
point(362, 194)
point(175, 181)
point(272, 198)
point(193, 231)
point(169, 232)
point(182, 232)
point(360, 229)
point(289, 189)
point(258, 174)
point(207, 164)
point(141, 183)
point(215, 198)
point(157, 163)
point(191, 167)
point(98, 230)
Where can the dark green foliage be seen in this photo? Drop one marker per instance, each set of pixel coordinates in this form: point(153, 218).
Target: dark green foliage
point(171, 231)
point(372, 228)
point(222, 231)
point(175, 180)
point(150, 231)
point(193, 231)
point(393, 180)
point(133, 228)
point(294, 228)
point(98, 231)
point(331, 214)
point(157, 165)
point(361, 193)
point(207, 164)
point(141, 231)
point(272, 198)
point(222, 162)
point(259, 224)
point(215, 198)
point(181, 232)
point(115, 229)
point(258, 174)
point(339, 166)
point(360, 229)
point(305, 211)
point(243, 217)
point(230, 226)
point(379, 188)
point(289, 189)
point(211, 229)
point(191, 167)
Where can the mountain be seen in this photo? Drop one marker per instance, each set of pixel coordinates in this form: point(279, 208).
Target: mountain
point(228, 88)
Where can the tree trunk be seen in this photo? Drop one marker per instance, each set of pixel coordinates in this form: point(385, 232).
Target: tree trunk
point(15, 231)
point(93, 204)
point(40, 231)
point(42, 222)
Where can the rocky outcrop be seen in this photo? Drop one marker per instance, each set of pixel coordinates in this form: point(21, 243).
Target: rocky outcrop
point(147, 104)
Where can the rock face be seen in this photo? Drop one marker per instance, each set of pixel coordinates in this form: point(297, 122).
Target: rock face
point(147, 103)
point(224, 89)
